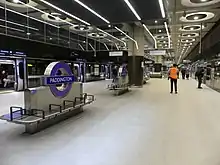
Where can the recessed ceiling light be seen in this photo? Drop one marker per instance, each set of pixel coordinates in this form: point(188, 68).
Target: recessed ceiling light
point(160, 31)
point(189, 35)
point(156, 21)
point(191, 28)
point(196, 18)
point(28, 34)
point(203, 0)
point(109, 25)
point(164, 41)
point(15, 1)
point(51, 38)
point(187, 40)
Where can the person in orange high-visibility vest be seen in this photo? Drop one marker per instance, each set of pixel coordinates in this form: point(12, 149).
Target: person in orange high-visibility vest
point(173, 75)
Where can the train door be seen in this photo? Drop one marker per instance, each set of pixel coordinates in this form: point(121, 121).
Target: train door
point(82, 72)
point(13, 74)
point(108, 71)
point(76, 71)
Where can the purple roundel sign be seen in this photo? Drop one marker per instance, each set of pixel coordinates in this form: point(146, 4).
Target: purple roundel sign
point(59, 77)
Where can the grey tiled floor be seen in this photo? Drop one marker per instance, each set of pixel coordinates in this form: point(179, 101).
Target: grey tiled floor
point(147, 126)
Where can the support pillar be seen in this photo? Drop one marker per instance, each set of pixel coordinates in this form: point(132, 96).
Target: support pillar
point(136, 56)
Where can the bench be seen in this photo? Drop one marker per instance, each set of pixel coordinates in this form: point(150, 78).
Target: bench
point(36, 120)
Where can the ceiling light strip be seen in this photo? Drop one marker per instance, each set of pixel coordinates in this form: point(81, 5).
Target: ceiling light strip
point(132, 9)
point(168, 35)
point(162, 9)
point(14, 23)
point(136, 44)
point(81, 47)
point(12, 28)
point(106, 47)
point(59, 9)
point(111, 36)
point(155, 41)
point(92, 11)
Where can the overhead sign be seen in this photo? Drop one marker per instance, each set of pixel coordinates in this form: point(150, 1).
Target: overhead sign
point(148, 62)
point(59, 73)
point(158, 52)
point(116, 54)
point(11, 53)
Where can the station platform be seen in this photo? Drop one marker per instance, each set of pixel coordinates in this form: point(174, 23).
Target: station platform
point(146, 126)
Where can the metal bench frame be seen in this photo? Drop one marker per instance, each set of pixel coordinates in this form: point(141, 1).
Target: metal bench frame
point(35, 120)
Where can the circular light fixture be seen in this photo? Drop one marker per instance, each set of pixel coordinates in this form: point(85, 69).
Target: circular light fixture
point(160, 31)
point(55, 17)
point(199, 3)
point(97, 35)
point(18, 3)
point(81, 28)
point(156, 21)
point(189, 35)
point(190, 40)
point(192, 28)
point(197, 17)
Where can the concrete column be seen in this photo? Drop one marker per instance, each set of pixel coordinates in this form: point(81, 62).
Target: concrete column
point(136, 56)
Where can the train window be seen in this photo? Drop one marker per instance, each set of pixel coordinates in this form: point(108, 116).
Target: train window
point(21, 70)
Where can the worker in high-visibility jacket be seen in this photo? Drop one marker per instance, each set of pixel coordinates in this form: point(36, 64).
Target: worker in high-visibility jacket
point(173, 75)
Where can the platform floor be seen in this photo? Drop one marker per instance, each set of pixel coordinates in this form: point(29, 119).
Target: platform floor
point(146, 126)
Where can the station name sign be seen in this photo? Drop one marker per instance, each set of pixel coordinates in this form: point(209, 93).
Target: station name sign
point(158, 52)
point(116, 53)
point(59, 80)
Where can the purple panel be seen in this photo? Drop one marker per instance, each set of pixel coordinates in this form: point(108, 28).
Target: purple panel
point(53, 88)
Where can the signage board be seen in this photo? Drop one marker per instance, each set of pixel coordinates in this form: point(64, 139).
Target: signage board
point(12, 53)
point(158, 52)
point(116, 54)
point(54, 80)
point(148, 62)
point(59, 73)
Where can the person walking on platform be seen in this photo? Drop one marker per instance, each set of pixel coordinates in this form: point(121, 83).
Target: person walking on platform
point(183, 71)
point(187, 73)
point(173, 75)
point(199, 75)
point(114, 74)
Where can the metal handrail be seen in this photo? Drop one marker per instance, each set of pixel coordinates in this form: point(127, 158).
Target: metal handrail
point(55, 105)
